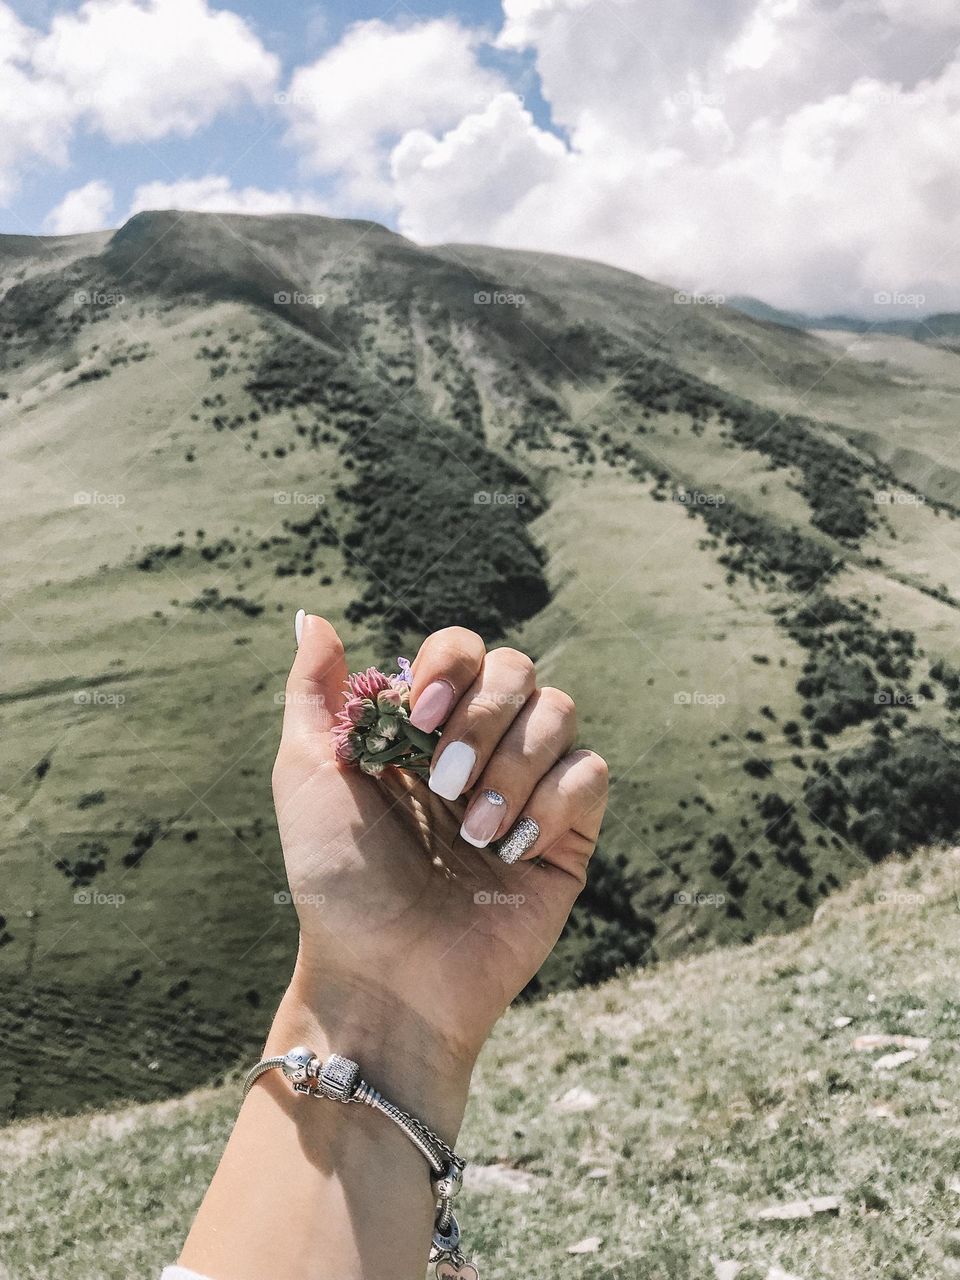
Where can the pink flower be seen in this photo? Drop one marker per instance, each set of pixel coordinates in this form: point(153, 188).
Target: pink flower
point(375, 716)
point(345, 746)
point(367, 684)
point(353, 710)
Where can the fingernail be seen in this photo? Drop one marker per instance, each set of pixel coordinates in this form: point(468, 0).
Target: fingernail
point(482, 819)
point(433, 706)
point(450, 773)
point(521, 838)
point(298, 624)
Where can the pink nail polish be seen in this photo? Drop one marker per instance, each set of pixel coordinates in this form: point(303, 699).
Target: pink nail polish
point(433, 706)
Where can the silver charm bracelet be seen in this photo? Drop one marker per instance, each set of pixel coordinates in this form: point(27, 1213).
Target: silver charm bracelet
point(339, 1079)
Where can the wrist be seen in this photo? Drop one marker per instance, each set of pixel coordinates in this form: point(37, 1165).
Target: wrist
point(339, 1189)
point(398, 1053)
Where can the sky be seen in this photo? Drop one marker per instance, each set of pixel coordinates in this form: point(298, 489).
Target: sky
point(806, 152)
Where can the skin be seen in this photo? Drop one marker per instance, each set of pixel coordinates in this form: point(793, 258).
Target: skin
point(406, 959)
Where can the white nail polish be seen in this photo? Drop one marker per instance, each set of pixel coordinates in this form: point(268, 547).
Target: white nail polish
point(298, 624)
point(452, 770)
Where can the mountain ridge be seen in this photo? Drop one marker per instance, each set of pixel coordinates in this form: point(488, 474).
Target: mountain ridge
point(928, 327)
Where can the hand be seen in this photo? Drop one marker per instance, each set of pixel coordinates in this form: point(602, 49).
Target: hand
point(412, 942)
point(403, 921)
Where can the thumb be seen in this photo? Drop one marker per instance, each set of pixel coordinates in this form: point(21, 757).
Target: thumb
point(314, 691)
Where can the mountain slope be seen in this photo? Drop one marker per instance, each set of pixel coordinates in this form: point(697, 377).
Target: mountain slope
point(211, 421)
point(941, 328)
point(664, 1112)
point(902, 407)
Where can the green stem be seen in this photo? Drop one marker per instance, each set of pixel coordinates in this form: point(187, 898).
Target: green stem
point(426, 742)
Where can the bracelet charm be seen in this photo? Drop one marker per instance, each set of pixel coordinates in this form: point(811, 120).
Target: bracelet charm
point(339, 1080)
point(446, 1256)
point(450, 1269)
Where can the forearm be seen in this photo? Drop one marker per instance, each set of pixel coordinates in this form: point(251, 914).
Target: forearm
point(316, 1190)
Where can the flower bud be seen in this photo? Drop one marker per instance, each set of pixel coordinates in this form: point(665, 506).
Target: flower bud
point(387, 727)
point(346, 747)
point(353, 709)
point(368, 712)
point(369, 724)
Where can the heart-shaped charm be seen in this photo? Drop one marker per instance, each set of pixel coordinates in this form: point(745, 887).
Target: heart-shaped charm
point(449, 1271)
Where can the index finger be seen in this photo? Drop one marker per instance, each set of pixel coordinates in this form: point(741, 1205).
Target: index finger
point(448, 663)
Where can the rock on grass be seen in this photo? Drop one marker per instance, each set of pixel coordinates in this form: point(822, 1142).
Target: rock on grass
point(797, 1209)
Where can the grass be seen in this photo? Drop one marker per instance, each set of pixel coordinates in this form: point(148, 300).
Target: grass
point(117, 684)
point(624, 622)
point(717, 1087)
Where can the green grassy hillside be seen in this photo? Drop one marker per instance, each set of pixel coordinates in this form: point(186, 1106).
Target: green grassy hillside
point(671, 1113)
point(890, 387)
point(208, 422)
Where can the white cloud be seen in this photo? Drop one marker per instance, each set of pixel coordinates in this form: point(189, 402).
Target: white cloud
point(803, 152)
point(37, 116)
point(142, 69)
point(86, 208)
point(795, 149)
point(476, 174)
point(350, 106)
point(214, 194)
point(135, 70)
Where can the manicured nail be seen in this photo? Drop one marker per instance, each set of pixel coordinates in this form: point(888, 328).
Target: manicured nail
point(433, 706)
point(450, 773)
point(483, 817)
point(298, 624)
point(521, 838)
